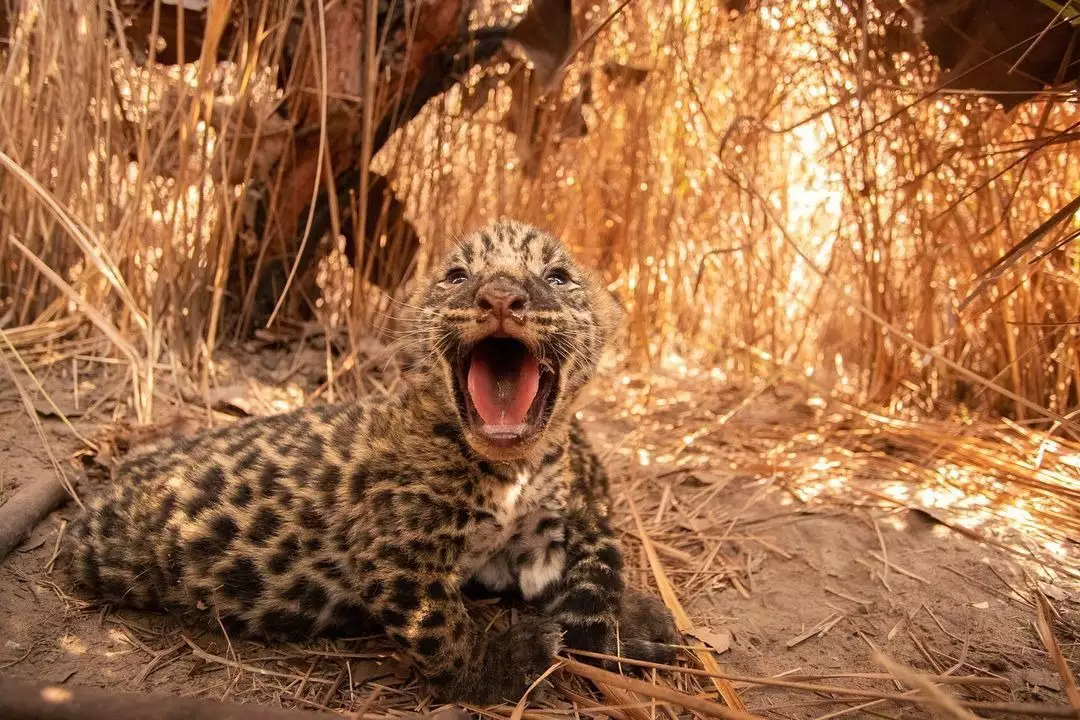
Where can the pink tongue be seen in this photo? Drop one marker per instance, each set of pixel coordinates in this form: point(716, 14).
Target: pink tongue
point(503, 398)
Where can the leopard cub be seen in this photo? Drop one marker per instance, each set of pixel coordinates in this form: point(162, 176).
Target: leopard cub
point(329, 517)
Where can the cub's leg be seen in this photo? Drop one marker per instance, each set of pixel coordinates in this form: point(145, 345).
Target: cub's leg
point(405, 570)
point(426, 617)
point(585, 598)
point(575, 576)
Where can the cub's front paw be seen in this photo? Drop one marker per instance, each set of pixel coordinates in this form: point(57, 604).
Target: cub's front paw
point(512, 661)
point(646, 628)
point(528, 647)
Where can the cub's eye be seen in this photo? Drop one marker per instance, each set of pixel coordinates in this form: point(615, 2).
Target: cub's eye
point(456, 276)
point(557, 277)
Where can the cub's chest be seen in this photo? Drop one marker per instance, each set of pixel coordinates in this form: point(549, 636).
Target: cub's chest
point(522, 542)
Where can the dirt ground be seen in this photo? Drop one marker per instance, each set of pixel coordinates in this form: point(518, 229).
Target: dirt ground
point(776, 585)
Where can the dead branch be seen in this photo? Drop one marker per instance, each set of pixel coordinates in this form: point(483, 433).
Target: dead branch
point(23, 700)
point(25, 509)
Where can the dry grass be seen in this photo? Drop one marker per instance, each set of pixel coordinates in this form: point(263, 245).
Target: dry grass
point(783, 184)
point(784, 201)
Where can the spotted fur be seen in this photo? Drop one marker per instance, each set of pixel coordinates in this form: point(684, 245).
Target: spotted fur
point(330, 517)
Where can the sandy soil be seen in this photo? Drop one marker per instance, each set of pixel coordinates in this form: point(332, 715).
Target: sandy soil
point(775, 585)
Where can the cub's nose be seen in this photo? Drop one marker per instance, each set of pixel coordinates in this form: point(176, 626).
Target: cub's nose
point(502, 300)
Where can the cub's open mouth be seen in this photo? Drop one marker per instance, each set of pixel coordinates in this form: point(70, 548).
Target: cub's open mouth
point(505, 393)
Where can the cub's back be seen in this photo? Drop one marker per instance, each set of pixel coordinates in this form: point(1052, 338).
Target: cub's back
point(225, 518)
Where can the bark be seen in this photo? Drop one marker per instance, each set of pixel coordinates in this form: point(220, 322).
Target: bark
point(423, 50)
point(25, 509)
point(1005, 49)
point(23, 700)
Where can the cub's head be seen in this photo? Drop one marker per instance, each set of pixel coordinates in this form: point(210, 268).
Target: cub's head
point(513, 328)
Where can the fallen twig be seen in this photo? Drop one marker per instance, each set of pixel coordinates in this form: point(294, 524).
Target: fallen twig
point(56, 547)
point(890, 564)
point(935, 695)
point(1045, 630)
point(820, 629)
point(797, 682)
point(26, 509)
point(21, 700)
point(682, 621)
point(210, 657)
point(698, 705)
point(1050, 711)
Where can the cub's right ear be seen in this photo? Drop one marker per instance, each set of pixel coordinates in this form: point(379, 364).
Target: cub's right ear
point(611, 312)
point(619, 309)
